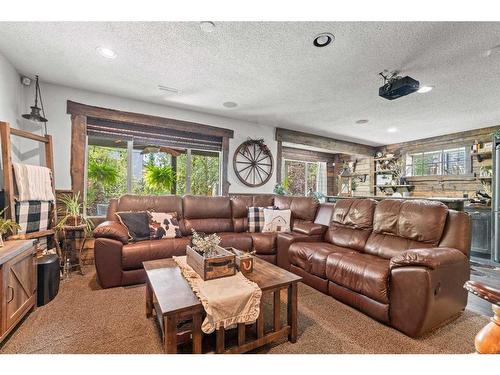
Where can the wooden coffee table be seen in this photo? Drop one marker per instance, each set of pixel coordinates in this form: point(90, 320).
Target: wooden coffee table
point(170, 298)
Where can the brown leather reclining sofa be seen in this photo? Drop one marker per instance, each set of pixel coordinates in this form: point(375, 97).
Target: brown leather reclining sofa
point(402, 262)
point(119, 262)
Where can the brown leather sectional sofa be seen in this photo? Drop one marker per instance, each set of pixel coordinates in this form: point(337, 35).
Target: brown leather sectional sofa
point(119, 262)
point(403, 263)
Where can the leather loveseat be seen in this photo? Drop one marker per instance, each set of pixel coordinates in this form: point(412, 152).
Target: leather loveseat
point(119, 262)
point(402, 262)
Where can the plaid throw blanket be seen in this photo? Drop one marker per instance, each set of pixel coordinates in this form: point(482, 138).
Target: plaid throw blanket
point(33, 216)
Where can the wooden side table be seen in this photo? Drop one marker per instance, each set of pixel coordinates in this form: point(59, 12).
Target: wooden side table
point(488, 339)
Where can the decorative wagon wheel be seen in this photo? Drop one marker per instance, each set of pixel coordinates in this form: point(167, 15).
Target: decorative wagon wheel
point(253, 163)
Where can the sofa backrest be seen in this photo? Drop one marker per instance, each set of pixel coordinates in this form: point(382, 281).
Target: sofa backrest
point(240, 204)
point(206, 214)
point(133, 202)
point(457, 232)
point(303, 208)
point(400, 225)
point(351, 223)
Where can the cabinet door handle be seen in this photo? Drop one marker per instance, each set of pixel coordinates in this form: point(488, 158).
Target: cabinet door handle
point(11, 290)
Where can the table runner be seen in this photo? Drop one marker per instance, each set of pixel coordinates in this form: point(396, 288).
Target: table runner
point(227, 300)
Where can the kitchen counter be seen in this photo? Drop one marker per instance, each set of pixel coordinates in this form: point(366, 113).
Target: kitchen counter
point(452, 203)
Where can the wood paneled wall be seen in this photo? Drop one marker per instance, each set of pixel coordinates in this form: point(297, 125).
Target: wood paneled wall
point(364, 165)
point(449, 186)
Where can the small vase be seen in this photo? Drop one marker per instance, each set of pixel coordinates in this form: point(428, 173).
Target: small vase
point(1, 241)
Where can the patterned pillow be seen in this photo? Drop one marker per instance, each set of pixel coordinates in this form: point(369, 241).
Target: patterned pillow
point(137, 224)
point(163, 225)
point(255, 217)
point(276, 220)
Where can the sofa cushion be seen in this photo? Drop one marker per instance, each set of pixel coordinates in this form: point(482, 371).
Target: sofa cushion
point(240, 241)
point(311, 256)
point(400, 225)
point(416, 220)
point(303, 208)
point(134, 254)
point(158, 203)
point(351, 223)
point(264, 243)
point(207, 214)
point(362, 273)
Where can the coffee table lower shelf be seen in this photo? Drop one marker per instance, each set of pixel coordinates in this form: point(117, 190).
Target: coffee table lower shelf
point(180, 318)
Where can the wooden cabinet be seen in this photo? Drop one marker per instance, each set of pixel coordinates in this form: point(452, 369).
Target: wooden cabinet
point(481, 231)
point(18, 283)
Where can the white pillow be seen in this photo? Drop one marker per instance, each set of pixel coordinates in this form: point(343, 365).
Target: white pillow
point(276, 220)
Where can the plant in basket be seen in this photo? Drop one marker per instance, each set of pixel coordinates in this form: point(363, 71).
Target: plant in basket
point(205, 245)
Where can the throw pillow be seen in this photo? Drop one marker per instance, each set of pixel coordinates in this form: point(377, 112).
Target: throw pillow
point(255, 217)
point(137, 224)
point(276, 220)
point(163, 225)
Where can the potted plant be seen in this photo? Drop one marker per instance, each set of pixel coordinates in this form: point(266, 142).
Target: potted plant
point(6, 226)
point(72, 214)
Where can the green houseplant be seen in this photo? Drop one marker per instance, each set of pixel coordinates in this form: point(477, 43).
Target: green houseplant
point(159, 178)
point(72, 213)
point(6, 226)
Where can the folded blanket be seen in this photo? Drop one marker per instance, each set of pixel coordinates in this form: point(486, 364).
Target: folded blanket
point(33, 182)
point(227, 300)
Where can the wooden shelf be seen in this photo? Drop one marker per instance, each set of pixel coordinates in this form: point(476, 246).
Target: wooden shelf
point(481, 155)
point(384, 172)
point(394, 187)
point(384, 158)
point(485, 178)
point(32, 235)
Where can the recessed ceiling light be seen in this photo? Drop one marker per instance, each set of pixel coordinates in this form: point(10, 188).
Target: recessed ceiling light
point(207, 26)
point(392, 129)
point(362, 121)
point(323, 39)
point(106, 52)
point(424, 89)
point(230, 104)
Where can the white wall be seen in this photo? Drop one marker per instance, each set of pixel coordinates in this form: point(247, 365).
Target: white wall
point(59, 126)
point(10, 92)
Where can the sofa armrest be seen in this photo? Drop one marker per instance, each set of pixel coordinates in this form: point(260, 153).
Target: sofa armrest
point(108, 261)
point(426, 289)
point(309, 229)
point(112, 230)
point(432, 258)
point(285, 240)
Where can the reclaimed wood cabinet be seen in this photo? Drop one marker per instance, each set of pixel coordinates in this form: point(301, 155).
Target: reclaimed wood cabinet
point(18, 283)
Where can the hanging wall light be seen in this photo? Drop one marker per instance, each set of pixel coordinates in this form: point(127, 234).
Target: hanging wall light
point(35, 110)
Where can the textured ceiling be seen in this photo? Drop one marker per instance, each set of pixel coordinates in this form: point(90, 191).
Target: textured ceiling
point(276, 75)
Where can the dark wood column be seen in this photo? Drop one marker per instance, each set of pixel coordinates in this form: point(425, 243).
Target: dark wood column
point(225, 166)
point(78, 143)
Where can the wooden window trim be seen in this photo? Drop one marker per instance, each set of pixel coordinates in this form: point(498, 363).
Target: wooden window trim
point(80, 112)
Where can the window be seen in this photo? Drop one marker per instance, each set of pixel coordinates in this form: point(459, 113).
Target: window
point(116, 166)
point(437, 163)
point(304, 178)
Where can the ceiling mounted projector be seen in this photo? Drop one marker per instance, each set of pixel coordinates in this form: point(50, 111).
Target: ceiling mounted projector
point(396, 86)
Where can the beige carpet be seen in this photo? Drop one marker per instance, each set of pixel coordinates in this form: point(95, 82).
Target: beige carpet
point(84, 318)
